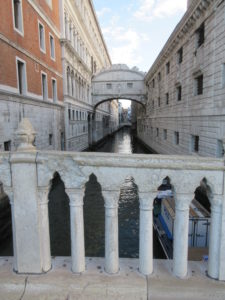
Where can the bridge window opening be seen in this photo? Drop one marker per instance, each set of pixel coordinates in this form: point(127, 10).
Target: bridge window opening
point(180, 55)
point(109, 86)
point(94, 218)
point(73, 115)
point(6, 240)
point(130, 85)
point(76, 115)
point(59, 218)
point(157, 132)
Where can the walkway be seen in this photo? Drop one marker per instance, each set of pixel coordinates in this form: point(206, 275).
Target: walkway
point(61, 284)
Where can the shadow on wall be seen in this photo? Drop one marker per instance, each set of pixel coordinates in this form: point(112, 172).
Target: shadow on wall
point(94, 218)
point(59, 218)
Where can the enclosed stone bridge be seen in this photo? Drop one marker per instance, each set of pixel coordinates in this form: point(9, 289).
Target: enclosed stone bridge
point(119, 82)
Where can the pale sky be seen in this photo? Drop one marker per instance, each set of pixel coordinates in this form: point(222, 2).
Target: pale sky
point(136, 30)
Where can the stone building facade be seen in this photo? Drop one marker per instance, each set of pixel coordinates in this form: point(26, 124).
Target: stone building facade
point(84, 54)
point(185, 112)
point(31, 82)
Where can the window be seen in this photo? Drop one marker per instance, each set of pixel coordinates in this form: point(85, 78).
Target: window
point(109, 86)
point(200, 35)
point(159, 76)
point(159, 101)
point(52, 46)
point(168, 68)
point(176, 138)
point(199, 85)
point(153, 83)
point(157, 132)
point(165, 134)
point(167, 98)
point(194, 143)
point(44, 86)
point(21, 77)
point(76, 115)
point(41, 36)
point(219, 149)
point(152, 104)
point(7, 145)
point(179, 93)
point(129, 85)
point(69, 114)
point(180, 55)
point(54, 90)
point(50, 139)
point(18, 16)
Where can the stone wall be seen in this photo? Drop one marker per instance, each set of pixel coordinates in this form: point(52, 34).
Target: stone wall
point(47, 119)
point(195, 123)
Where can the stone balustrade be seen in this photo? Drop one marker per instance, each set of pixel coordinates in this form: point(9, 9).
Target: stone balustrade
point(26, 176)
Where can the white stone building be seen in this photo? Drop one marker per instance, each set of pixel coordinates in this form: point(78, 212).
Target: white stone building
point(84, 53)
point(185, 112)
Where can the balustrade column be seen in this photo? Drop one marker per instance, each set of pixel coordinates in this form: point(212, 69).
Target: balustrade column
point(111, 232)
point(180, 242)
point(215, 236)
point(146, 233)
point(44, 228)
point(77, 229)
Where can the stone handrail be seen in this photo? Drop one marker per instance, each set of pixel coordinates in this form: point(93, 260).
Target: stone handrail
point(27, 173)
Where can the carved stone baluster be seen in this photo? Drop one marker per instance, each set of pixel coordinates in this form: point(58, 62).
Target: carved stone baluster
point(111, 231)
point(180, 242)
point(44, 228)
point(146, 233)
point(77, 229)
point(215, 236)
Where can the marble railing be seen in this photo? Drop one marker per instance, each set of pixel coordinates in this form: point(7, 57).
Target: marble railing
point(26, 176)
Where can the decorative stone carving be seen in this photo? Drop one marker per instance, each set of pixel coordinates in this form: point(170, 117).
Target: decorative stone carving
point(66, 166)
point(25, 136)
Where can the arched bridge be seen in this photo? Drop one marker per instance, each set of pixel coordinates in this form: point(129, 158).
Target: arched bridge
point(119, 82)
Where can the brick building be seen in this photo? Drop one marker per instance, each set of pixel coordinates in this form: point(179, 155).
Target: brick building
point(31, 82)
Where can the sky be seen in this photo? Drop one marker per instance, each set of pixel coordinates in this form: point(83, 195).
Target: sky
point(136, 30)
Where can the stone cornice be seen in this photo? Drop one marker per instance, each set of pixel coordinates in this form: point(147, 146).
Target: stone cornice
point(193, 13)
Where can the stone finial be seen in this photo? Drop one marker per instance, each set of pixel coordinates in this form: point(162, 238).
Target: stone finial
point(25, 136)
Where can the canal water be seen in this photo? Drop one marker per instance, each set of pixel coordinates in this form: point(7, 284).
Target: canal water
point(94, 216)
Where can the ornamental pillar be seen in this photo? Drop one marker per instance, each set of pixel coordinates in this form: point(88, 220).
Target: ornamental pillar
point(215, 237)
point(77, 229)
point(146, 233)
point(180, 242)
point(111, 231)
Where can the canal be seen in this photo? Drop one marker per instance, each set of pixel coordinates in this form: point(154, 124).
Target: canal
point(122, 141)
